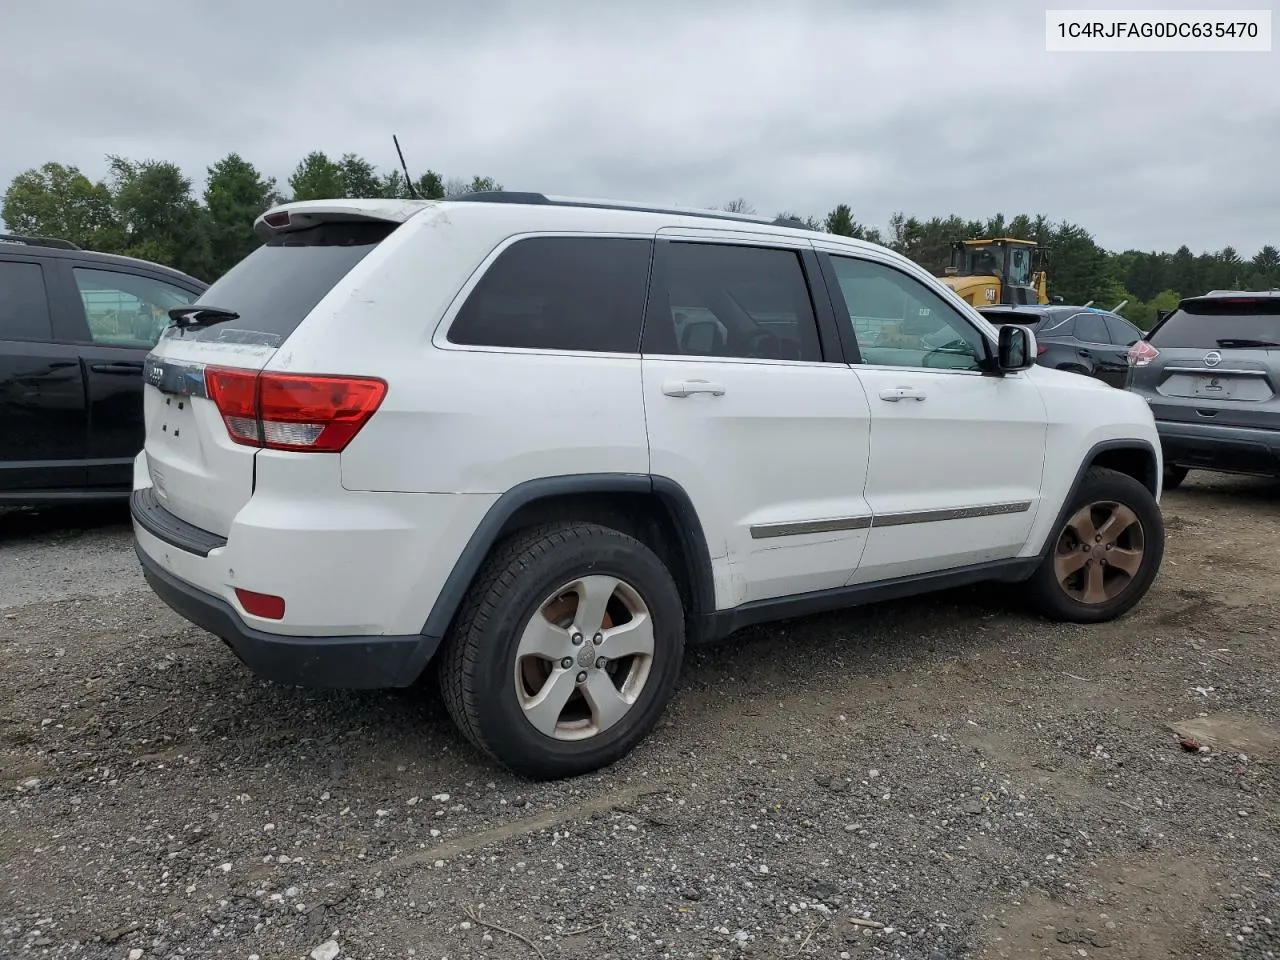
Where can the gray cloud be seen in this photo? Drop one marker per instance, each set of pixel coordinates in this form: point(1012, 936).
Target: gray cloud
point(926, 107)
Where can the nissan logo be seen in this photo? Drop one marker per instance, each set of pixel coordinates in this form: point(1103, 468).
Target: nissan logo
point(1212, 358)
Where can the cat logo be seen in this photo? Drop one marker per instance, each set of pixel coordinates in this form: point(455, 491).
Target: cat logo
point(990, 294)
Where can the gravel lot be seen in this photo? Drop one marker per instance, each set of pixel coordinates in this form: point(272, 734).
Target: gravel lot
point(937, 779)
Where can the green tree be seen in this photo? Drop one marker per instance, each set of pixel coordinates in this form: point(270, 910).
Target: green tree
point(317, 178)
point(60, 201)
point(429, 186)
point(840, 222)
point(162, 221)
point(359, 178)
point(235, 195)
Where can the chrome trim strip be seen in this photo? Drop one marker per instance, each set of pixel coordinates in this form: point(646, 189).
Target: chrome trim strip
point(958, 513)
point(1216, 371)
point(174, 377)
point(799, 528)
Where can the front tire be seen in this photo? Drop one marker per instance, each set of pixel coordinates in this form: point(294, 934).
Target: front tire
point(1103, 558)
point(566, 650)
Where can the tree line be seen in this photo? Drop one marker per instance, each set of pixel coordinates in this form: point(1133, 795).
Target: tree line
point(150, 209)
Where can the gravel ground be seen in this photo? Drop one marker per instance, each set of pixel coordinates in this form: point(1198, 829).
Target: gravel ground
point(938, 779)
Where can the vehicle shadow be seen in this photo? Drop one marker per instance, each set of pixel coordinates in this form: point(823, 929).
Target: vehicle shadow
point(35, 522)
point(1203, 485)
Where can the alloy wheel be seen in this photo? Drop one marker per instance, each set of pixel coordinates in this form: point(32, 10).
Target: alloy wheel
point(1099, 553)
point(584, 657)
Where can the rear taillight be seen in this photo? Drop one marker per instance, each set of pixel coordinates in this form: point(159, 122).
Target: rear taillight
point(290, 411)
point(1142, 353)
point(235, 394)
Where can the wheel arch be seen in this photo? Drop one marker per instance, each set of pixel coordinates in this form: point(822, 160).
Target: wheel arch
point(655, 510)
point(1131, 456)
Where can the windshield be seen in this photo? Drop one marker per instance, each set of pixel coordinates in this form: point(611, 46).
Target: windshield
point(982, 260)
point(1225, 325)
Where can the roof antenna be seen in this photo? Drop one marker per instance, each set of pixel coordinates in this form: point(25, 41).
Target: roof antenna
point(407, 179)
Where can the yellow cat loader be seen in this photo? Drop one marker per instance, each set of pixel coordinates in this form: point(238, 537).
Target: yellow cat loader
point(999, 270)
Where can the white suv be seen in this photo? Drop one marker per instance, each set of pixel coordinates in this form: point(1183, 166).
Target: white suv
point(542, 444)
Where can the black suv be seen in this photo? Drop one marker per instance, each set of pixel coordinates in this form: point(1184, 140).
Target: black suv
point(1211, 372)
point(1079, 339)
point(75, 327)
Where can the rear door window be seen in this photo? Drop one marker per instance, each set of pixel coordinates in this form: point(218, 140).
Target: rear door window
point(732, 301)
point(1223, 325)
point(1122, 332)
point(1091, 328)
point(560, 293)
point(275, 287)
point(24, 305)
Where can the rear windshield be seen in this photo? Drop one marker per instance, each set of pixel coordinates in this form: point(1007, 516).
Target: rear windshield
point(276, 286)
point(1224, 325)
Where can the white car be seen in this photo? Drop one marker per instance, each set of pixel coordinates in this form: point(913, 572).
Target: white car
point(540, 445)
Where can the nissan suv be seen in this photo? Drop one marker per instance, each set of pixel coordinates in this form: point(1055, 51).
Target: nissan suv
point(1210, 371)
point(537, 446)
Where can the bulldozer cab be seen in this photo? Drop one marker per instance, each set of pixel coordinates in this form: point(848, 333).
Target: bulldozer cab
point(1008, 271)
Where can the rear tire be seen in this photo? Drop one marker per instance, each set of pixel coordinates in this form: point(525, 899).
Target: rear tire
point(523, 675)
point(1102, 559)
point(1173, 476)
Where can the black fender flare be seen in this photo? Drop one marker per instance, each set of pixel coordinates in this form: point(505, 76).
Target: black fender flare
point(1088, 461)
point(693, 542)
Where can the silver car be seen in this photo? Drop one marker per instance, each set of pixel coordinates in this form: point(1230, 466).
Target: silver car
point(1211, 372)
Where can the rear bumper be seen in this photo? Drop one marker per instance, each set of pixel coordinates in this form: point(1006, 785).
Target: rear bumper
point(1217, 447)
point(351, 663)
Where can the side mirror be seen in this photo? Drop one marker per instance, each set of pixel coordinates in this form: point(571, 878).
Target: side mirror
point(1017, 348)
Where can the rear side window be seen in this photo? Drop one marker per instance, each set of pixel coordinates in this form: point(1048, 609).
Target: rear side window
point(24, 306)
point(1091, 328)
point(730, 301)
point(1226, 324)
point(275, 287)
point(560, 293)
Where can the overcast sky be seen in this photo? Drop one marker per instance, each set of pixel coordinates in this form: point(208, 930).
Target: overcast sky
point(924, 106)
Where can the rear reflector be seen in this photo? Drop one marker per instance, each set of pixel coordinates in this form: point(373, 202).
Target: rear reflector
point(1142, 353)
point(261, 604)
point(290, 411)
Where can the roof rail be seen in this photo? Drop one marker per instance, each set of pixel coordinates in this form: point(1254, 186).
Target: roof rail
point(542, 199)
point(38, 241)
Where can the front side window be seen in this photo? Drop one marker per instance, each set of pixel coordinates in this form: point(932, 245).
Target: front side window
point(560, 293)
point(732, 301)
point(24, 305)
point(125, 309)
point(899, 322)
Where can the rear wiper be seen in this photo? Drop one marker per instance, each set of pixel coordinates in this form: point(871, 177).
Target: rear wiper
point(1245, 344)
point(185, 317)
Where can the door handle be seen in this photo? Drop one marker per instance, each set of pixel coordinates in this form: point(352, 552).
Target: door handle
point(687, 388)
point(119, 366)
point(895, 394)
